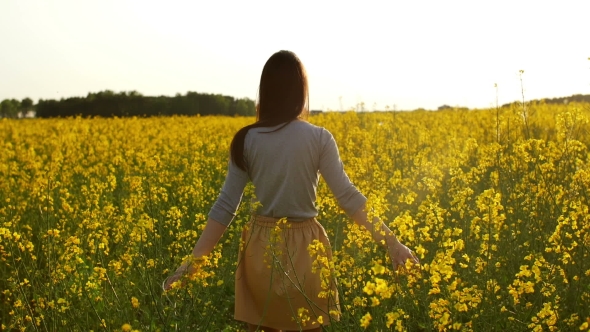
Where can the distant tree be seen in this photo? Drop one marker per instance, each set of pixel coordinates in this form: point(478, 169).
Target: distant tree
point(4, 108)
point(222, 104)
point(191, 103)
point(242, 108)
point(26, 104)
point(9, 108)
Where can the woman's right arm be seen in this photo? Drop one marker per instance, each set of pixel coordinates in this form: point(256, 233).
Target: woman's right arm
point(398, 252)
point(220, 216)
point(354, 203)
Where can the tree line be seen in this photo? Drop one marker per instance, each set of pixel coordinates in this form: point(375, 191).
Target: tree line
point(110, 104)
point(577, 98)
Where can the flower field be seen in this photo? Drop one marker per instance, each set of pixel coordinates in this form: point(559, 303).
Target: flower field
point(96, 213)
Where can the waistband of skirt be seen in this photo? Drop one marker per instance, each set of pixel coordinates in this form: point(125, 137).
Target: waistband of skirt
point(271, 222)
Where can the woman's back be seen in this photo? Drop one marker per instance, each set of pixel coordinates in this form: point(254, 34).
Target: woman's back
point(284, 167)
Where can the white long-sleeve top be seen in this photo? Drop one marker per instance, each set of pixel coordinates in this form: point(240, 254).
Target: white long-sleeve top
point(284, 167)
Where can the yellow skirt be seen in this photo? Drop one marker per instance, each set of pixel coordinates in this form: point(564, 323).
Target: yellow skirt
point(285, 278)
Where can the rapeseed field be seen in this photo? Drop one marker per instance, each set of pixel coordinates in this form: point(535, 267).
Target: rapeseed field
point(96, 213)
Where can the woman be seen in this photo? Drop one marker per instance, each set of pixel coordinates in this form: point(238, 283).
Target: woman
point(283, 282)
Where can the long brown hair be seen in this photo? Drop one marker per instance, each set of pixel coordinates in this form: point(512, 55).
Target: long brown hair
point(283, 96)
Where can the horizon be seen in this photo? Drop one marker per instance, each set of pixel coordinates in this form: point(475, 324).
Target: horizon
point(356, 108)
point(404, 56)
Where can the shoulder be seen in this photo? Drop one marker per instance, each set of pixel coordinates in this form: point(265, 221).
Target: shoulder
point(302, 125)
point(320, 135)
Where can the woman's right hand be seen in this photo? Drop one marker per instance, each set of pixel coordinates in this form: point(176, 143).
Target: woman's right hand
point(399, 254)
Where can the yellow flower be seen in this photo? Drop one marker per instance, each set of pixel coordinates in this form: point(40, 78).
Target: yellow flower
point(135, 302)
point(378, 268)
point(366, 320)
point(375, 301)
point(126, 327)
point(303, 316)
point(369, 288)
point(391, 318)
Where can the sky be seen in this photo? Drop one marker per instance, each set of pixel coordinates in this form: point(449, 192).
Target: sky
point(392, 54)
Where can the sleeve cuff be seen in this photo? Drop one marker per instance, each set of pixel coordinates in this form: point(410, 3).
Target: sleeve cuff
point(354, 204)
point(223, 217)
